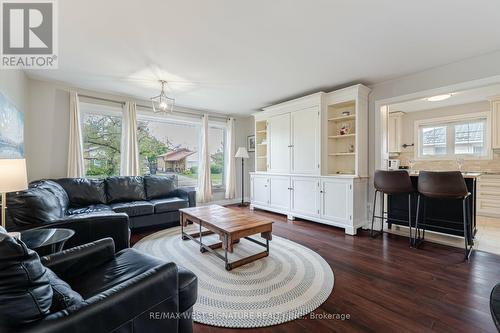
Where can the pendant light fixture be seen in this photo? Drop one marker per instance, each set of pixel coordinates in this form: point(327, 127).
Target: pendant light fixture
point(162, 103)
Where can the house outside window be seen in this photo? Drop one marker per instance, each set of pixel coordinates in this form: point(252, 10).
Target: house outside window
point(449, 138)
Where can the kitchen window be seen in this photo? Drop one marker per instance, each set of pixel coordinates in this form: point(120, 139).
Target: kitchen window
point(454, 137)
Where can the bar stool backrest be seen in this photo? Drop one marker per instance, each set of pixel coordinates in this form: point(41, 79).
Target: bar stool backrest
point(393, 182)
point(442, 185)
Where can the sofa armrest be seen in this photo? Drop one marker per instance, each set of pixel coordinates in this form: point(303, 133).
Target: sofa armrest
point(95, 226)
point(187, 193)
point(115, 307)
point(75, 261)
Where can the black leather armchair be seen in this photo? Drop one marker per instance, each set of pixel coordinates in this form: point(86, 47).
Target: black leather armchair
point(124, 292)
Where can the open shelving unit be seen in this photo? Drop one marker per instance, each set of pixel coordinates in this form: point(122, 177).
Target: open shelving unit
point(341, 141)
point(261, 141)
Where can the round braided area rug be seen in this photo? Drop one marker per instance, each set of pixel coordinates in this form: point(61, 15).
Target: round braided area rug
point(290, 283)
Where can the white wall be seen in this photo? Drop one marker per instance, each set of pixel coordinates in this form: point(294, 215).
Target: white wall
point(14, 84)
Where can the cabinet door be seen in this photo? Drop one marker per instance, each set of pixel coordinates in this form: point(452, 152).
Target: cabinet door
point(279, 192)
point(395, 132)
point(305, 196)
point(305, 141)
point(496, 125)
point(336, 200)
point(260, 190)
point(279, 143)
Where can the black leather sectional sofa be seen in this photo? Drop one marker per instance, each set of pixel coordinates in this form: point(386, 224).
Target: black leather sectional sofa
point(91, 288)
point(98, 208)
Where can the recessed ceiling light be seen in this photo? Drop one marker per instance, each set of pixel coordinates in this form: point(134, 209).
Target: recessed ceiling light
point(438, 98)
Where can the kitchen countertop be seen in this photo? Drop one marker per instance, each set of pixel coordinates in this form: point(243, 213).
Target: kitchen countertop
point(466, 174)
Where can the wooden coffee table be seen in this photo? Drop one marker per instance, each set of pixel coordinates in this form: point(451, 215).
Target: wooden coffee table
point(231, 226)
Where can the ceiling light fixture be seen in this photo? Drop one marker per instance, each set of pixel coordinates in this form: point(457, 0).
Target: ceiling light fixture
point(162, 103)
point(438, 98)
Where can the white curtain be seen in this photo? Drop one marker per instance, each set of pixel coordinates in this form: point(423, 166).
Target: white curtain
point(129, 164)
point(204, 182)
point(231, 160)
point(76, 166)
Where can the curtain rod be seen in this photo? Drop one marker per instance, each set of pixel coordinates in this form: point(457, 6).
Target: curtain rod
point(150, 107)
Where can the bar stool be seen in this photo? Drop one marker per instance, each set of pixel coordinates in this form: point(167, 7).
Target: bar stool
point(449, 185)
point(391, 183)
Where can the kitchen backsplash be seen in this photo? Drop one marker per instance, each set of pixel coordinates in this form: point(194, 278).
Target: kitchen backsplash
point(468, 165)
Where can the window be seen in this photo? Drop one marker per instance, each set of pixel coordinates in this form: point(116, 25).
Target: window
point(101, 133)
point(216, 149)
point(169, 147)
point(453, 137)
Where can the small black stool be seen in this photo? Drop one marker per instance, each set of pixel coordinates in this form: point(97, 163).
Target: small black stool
point(447, 185)
point(395, 182)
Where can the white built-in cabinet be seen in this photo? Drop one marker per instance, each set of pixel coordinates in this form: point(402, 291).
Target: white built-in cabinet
point(278, 133)
point(495, 109)
point(395, 132)
point(311, 158)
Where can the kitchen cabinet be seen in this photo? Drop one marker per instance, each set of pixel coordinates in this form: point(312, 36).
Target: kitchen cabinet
point(395, 130)
point(495, 142)
point(488, 195)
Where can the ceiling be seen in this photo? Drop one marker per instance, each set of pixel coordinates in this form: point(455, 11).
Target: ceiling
point(481, 94)
point(239, 56)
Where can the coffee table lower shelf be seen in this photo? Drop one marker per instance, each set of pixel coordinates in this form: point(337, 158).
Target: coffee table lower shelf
point(224, 244)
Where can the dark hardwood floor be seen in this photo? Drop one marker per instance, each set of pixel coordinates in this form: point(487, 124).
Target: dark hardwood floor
point(385, 286)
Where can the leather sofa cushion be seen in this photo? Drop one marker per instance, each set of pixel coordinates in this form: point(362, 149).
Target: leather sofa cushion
point(158, 186)
point(84, 191)
point(43, 202)
point(89, 209)
point(124, 188)
point(169, 204)
point(188, 289)
point(134, 208)
point(63, 296)
point(25, 291)
point(126, 265)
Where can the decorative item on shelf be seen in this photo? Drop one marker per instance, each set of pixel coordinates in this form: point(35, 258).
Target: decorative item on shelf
point(351, 149)
point(264, 142)
point(242, 153)
point(411, 164)
point(162, 103)
point(251, 143)
point(345, 129)
point(12, 178)
point(346, 113)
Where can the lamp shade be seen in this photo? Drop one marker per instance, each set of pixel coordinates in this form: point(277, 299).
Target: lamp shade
point(242, 152)
point(13, 175)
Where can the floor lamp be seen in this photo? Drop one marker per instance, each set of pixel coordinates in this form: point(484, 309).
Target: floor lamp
point(12, 178)
point(242, 153)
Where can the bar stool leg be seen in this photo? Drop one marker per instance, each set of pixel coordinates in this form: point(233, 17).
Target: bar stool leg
point(466, 231)
point(382, 209)
point(374, 209)
point(416, 222)
point(409, 218)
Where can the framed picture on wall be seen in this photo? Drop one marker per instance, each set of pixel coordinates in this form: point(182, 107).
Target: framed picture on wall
point(251, 143)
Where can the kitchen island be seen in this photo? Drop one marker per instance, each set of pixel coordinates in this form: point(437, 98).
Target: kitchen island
point(443, 216)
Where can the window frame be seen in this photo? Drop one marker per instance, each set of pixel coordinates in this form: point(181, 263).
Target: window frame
point(450, 136)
